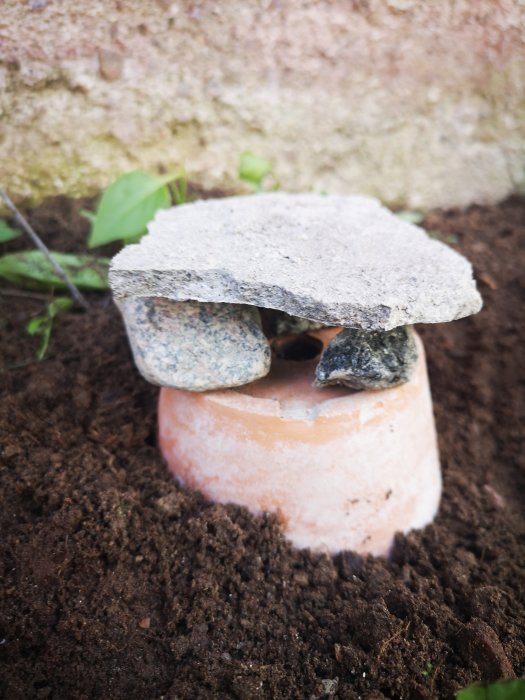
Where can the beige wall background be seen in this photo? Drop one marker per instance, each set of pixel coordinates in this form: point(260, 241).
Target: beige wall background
point(420, 103)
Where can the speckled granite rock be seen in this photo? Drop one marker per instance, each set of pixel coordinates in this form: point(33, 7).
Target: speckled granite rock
point(337, 260)
point(188, 345)
point(368, 359)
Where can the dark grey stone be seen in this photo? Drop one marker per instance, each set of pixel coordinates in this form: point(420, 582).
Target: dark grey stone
point(368, 359)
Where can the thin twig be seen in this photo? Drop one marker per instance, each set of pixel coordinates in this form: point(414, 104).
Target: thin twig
point(75, 293)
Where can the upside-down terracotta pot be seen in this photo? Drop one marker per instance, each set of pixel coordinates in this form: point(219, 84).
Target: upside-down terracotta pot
point(340, 469)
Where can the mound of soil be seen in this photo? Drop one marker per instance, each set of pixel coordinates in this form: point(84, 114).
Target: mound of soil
point(115, 583)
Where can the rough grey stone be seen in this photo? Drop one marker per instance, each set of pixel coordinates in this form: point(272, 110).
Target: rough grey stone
point(285, 324)
point(280, 323)
point(199, 347)
point(368, 359)
point(336, 260)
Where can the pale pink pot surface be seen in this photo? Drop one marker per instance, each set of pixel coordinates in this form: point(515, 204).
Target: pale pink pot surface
point(341, 470)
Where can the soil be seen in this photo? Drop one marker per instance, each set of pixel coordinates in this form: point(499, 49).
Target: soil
point(116, 583)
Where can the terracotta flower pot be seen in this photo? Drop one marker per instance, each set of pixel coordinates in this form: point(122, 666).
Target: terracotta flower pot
point(341, 470)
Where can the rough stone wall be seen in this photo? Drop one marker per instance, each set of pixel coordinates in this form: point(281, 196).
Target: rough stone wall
point(420, 103)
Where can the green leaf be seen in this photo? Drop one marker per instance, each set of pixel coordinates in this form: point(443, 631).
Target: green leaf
point(501, 690)
point(7, 233)
point(451, 239)
point(412, 217)
point(128, 205)
point(89, 215)
point(58, 305)
point(253, 169)
point(32, 270)
point(42, 325)
point(45, 332)
point(36, 324)
point(428, 669)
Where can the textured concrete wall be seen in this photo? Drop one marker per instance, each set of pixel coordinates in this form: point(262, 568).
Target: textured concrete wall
point(417, 102)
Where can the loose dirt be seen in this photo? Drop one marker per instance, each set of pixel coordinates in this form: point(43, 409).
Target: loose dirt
point(115, 583)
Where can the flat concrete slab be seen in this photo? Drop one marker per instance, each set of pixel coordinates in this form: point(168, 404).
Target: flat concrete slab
point(333, 259)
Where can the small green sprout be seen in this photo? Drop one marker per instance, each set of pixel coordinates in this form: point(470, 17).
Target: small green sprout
point(428, 670)
point(253, 169)
point(450, 238)
point(42, 325)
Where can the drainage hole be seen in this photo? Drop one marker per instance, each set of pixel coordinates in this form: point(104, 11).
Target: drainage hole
point(297, 347)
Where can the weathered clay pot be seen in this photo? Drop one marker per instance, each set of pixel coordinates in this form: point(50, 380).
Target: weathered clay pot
point(341, 470)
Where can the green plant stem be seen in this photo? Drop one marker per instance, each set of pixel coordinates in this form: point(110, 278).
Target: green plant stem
point(39, 243)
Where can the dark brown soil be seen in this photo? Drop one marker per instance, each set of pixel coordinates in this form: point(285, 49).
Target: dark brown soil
point(115, 583)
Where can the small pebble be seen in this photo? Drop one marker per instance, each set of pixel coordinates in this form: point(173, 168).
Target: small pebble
point(145, 623)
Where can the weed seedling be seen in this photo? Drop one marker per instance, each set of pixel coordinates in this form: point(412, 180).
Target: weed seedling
point(253, 170)
point(428, 670)
point(42, 325)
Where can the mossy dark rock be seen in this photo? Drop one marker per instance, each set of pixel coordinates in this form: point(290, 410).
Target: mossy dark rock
point(368, 359)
